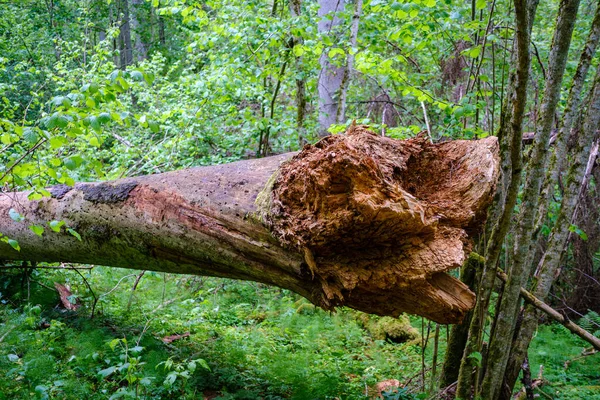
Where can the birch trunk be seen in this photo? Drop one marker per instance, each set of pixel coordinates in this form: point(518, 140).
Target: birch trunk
point(331, 75)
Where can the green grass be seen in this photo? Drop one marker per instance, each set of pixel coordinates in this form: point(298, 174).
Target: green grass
point(569, 375)
point(246, 341)
point(258, 342)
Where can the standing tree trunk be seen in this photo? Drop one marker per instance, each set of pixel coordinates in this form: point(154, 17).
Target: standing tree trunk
point(520, 268)
point(301, 104)
point(355, 220)
point(557, 162)
point(341, 114)
point(511, 136)
point(332, 74)
point(459, 333)
point(141, 48)
point(125, 46)
point(581, 165)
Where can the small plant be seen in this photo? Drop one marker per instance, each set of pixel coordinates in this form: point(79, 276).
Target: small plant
point(397, 394)
point(180, 372)
point(127, 368)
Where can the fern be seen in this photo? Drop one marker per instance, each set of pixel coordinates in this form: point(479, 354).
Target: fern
point(591, 322)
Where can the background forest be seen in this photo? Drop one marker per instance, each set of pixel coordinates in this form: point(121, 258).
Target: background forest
point(103, 89)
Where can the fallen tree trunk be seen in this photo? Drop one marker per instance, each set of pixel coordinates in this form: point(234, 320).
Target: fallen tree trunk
point(357, 220)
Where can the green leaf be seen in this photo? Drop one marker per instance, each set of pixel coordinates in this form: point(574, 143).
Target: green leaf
point(579, 232)
point(74, 233)
point(57, 120)
point(476, 356)
point(335, 51)
point(58, 141)
point(15, 216)
point(37, 229)
point(95, 123)
point(136, 75)
point(107, 371)
point(30, 135)
point(56, 225)
point(153, 125)
point(474, 52)
point(298, 50)
point(35, 196)
point(104, 117)
point(480, 4)
point(149, 78)
point(14, 244)
point(70, 164)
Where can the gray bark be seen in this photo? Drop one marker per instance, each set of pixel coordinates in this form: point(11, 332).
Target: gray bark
point(459, 333)
point(572, 109)
point(548, 268)
point(520, 269)
point(140, 46)
point(331, 76)
point(512, 135)
point(125, 45)
point(341, 112)
point(301, 103)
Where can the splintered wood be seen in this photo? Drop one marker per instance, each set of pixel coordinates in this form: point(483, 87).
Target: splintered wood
point(380, 221)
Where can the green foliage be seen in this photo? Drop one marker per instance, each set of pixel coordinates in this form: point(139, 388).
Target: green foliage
point(245, 341)
point(219, 77)
point(568, 373)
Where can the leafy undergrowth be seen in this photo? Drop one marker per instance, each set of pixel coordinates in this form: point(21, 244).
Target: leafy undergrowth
point(569, 368)
point(246, 341)
point(181, 337)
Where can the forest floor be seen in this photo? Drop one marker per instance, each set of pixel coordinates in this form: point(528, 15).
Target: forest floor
point(193, 337)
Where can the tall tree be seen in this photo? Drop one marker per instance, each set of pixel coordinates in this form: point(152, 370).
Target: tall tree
point(520, 269)
point(511, 130)
point(332, 74)
point(341, 112)
point(125, 44)
point(301, 102)
point(140, 46)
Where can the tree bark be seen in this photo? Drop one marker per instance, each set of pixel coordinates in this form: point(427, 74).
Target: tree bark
point(301, 103)
point(548, 268)
point(520, 267)
point(125, 46)
point(572, 110)
point(459, 333)
point(141, 47)
point(355, 220)
point(511, 133)
point(341, 112)
point(331, 76)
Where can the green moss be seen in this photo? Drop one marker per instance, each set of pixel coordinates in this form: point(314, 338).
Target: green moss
point(396, 330)
point(264, 201)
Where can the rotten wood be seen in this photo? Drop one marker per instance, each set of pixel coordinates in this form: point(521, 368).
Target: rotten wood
point(355, 220)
